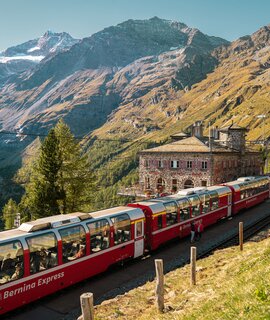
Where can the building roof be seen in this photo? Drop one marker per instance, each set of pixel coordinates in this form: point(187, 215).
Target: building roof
point(192, 144)
point(180, 134)
point(232, 127)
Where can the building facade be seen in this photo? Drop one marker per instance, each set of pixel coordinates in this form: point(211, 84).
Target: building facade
point(198, 161)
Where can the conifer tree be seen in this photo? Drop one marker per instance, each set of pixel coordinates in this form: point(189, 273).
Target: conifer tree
point(42, 192)
point(75, 178)
point(9, 214)
point(60, 179)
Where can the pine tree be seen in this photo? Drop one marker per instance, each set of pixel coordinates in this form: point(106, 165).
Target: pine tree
point(42, 192)
point(9, 214)
point(60, 179)
point(75, 178)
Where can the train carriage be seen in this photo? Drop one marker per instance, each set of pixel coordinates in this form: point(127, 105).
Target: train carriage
point(46, 255)
point(248, 191)
point(170, 217)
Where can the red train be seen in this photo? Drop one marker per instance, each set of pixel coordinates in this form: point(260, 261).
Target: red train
point(46, 255)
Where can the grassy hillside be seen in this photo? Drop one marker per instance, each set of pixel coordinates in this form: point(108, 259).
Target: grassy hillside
point(236, 91)
point(230, 285)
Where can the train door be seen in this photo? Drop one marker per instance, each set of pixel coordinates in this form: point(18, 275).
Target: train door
point(139, 238)
point(229, 204)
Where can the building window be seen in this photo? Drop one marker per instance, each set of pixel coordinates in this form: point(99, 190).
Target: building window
point(174, 164)
point(174, 185)
point(160, 163)
point(188, 184)
point(146, 163)
point(204, 183)
point(147, 183)
point(160, 184)
point(204, 165)
point(189, 164)
point(224, 164)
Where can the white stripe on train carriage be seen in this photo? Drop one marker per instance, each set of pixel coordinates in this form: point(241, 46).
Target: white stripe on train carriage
point(186, 221)
point(62, 266)
point(258, 194)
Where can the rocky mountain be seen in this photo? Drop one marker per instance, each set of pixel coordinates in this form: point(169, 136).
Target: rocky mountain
point(22, 57)
point(112, 67)
point(236, 91)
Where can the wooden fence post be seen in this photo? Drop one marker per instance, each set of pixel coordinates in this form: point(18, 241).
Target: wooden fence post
point(193, 265)
point(159, 284)
point(87, 306)
point(241, 235)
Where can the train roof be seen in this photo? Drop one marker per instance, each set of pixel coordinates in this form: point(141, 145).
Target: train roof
point(221, 190)
point(156, 207)
point(67, 219)
point(10, 234)
point(134, 213)
point(54, 221)
point(242, 181)
point(190, 191)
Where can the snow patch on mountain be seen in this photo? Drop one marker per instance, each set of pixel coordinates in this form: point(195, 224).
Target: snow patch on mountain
point(30, 58)
point(33, 49)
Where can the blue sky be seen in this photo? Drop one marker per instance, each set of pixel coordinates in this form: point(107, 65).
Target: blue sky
point(22, 20)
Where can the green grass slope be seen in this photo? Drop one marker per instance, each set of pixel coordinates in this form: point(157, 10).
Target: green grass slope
point(230, 285)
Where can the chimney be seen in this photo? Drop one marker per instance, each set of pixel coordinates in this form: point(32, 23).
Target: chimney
point(197, 129)
point(215, 133)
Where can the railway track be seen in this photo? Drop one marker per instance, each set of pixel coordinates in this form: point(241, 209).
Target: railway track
point(233, 240)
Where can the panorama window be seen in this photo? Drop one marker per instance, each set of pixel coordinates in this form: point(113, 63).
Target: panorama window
point(122, 228)
point(214, 199)
point(100, 235)
point(171, 213)
point(11, 262)
point(195, 206)
point(43, 252)
point(184, 208)
point(73, 242)
point(205, 199)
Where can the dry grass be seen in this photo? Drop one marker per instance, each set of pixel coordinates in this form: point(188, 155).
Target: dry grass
point(230, 285)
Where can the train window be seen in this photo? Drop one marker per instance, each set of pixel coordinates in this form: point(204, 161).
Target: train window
point(122, 228)
point(11, 261)
point(184, 208)
point(43, 252)
point(100, 235)
point(159, 222)
point(171, 213)
point(73, 243)
point(214, 199)
point(139, 229)
point(205, 199)
point(195, 205)
point(243, 191)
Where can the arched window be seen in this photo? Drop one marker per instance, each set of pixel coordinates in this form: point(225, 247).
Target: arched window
point(188, 184)
point(160, 184)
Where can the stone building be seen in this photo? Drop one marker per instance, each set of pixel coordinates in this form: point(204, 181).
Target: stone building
point(193, 161)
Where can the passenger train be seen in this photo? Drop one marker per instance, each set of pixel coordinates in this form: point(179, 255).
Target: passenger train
point(43, 256)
